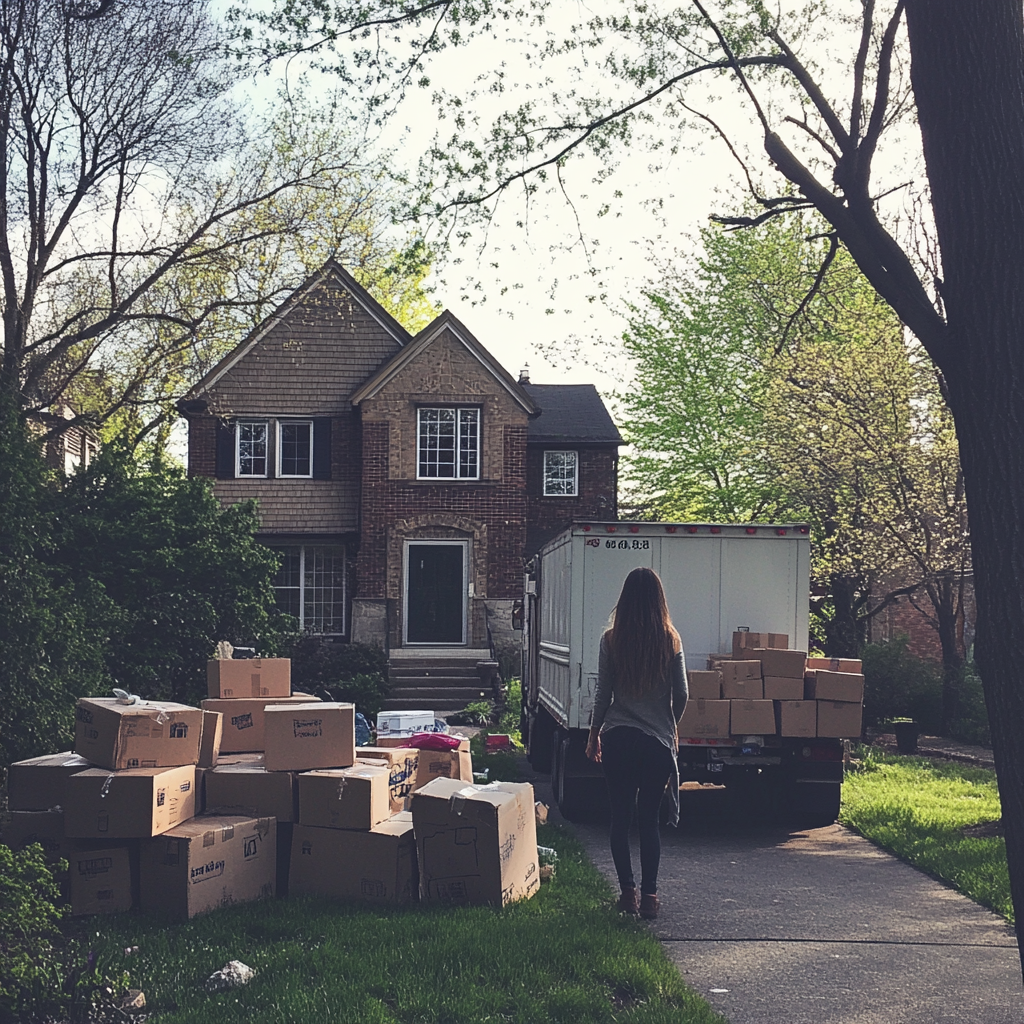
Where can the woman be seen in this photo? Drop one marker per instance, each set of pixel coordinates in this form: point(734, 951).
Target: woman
point(641, 693)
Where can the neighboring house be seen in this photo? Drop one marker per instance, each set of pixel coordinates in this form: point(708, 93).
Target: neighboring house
point(405, 479)
point(66, 447)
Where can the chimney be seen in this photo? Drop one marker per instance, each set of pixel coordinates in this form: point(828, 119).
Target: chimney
point(524, 374)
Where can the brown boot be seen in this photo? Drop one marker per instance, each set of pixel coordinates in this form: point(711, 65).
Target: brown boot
point(648, 906)
point(628, 901)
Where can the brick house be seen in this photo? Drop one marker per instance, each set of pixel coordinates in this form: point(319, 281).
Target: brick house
point(404, 479)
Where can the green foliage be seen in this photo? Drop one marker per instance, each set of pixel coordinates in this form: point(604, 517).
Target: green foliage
point(476, 712)
point(509, 720)
point(31, 967)
point(357, 673)
point(969, 720)
point(899, 685)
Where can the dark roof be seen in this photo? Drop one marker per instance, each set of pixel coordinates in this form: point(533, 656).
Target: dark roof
point(570, 413)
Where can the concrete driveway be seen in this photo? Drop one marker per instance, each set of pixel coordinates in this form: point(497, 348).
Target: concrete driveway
point(819, 927)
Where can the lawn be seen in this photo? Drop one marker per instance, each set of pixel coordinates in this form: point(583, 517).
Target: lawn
point(929, 813)
point(563, 956)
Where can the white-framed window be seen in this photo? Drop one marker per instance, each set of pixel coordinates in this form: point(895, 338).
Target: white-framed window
point(311, 586)
point(561, 474)
point(251, 448)
point(295, 448)
point(448, 444)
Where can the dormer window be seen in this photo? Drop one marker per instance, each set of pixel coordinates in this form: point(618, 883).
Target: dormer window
point(251, 454)
point(561, 474)
point(448, 444)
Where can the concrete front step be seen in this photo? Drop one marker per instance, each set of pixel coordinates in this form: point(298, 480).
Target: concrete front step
point(449, 671)
point(438, 706)
point(410, 694)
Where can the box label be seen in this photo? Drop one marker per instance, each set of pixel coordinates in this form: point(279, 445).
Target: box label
point(204, 872)
point(307, 728)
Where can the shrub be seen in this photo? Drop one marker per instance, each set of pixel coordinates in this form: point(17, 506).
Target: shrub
point(970, 717)
point(349, 672)
point(899, 685)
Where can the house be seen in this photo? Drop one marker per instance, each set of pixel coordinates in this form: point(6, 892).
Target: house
point(404, 479)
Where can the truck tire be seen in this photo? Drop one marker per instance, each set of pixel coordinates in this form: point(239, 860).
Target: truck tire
point(540, 741)
point(813, 803)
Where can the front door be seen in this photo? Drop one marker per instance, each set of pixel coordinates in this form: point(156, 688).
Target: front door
point(435, 593)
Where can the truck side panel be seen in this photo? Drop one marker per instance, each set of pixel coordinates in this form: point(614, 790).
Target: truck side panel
point(554, 672)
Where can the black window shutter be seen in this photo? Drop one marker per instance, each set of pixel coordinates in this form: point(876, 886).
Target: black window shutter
point(322, 448)
point(225, 469)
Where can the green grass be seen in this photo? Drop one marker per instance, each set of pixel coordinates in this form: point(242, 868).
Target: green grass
point(563, 956)
point(918, 810)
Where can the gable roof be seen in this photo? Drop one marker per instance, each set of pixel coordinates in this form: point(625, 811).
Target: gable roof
point(570, 413)
point(446, 321)
point(297, 297)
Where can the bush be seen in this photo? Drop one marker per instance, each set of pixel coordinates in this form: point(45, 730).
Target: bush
point(899, 685)
point(970, 716)
point(357, 673)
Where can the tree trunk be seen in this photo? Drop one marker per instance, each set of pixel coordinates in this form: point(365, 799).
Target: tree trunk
point(843, 633)
point(968, 80)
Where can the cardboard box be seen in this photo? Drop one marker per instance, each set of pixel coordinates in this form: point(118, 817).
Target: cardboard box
point(456, 763)
point(404, 723)
point(704, 719)
point(132, 804)
point(356, 797)
point(841, 686)
point(752, 717)
point(782, 664)
point(213, 734)
point(207, 863)
point(154, 734)
point(38, 783)
point(743, 641)
point(248, 789)
point(299, 737)
point(476, 844)
point(378, 865)
point(101, 879)
point(249, 677)
point(243, 720)
point(704, 685)
point(743, 689)
point(836, 664)
point(736, 670)
point(715, 661)
point(403, 764)
point(781, 688)
point(43, 827)
point(797, 717)
point(840, 719)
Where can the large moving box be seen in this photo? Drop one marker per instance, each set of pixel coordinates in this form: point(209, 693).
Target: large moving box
point(476, 844)
point(247, 788)
point(743, 689)
point(38, 783)
point(357, 797)
point(153, 734)
point(705, 719)
point(378, 865)
point(213, 734)
point(797, 717)
point(743, 641)
point(456, 763)
point(402, 762)
point(735, 670)
point(43, 827)
point(207, 863)
point(839, 719)
point(752, 716)
point(783, 688)
point(822, 684)
point(132, 804)
point(784, 664)
point(243, 720)
point(249, 677)
point(704, 685)
point(299, 737)
point(101, 879)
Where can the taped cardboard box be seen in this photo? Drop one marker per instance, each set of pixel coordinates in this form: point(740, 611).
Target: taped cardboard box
point(38, 783)
point(781, 688)
point(784, 664)
point(207, 863)
point(101, 879)
point(132, 804)
point(378, 865)
point(736, 670)
point(704, 719)
point(402, 762)
point(841, 686)
point(301, 737)
point(742, 689)
point(839, 719)
point(154, 734)
point(797, 717)
point(213, 734)
point(356, 797)
point(704, 685)
point(456, 764)
point(743, 641)
point(836, 664)
point(243, 720)
point(43, 827)
point(476, 844)
point(247, 788)
point(752, 717)
point(249, 677)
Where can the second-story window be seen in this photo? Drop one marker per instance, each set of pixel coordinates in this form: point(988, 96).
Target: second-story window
point(295, 448)
point(560, 474)
point(251, 452)
point(448, 444)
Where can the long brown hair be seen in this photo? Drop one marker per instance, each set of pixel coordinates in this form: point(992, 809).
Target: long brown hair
point(642, 640)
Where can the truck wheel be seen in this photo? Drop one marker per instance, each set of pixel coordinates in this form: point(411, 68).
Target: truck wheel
point(540, 741)
point(813, 804)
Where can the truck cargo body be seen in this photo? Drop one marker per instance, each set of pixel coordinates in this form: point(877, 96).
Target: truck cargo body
point(718, 578)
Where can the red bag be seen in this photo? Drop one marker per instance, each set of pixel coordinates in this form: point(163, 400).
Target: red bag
point(432, 741)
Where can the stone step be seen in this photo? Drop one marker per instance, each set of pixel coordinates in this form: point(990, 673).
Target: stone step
point(431, 669)
point(440, 706)
point(423, 696)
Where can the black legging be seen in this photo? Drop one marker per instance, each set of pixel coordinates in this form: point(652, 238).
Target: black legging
point(637, 768)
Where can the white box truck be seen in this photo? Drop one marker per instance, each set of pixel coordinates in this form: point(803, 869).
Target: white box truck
point(718, 578)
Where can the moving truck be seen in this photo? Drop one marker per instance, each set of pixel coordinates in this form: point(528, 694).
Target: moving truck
point(718, 578)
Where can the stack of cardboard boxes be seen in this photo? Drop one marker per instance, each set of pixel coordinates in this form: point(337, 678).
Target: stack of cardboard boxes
point(763, 688)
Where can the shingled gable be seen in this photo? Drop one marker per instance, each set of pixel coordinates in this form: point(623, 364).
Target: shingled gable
point(446, 321)
point(297, 297)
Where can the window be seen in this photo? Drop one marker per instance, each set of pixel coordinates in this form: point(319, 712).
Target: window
point(295, 448)
point(311, 586)
point(560, 474)
point(251, 453)
point(449, 444)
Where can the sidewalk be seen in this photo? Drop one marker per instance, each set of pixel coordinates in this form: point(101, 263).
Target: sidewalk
point(940, 747)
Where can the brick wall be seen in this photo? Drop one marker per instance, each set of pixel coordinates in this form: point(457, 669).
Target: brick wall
point(202, 446)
